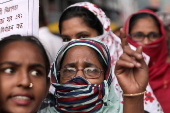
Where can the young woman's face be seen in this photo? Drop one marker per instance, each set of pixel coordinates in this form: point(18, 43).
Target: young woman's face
point(79, 58)
point(21, 64)
point(76, 28)
point(145, 26)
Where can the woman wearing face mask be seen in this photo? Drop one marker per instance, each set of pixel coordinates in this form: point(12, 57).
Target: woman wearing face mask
point(83, 79)
point(86, 20)
point(144, 28)
point(24, 67)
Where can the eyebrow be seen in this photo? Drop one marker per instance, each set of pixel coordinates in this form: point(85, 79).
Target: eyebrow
point(80, 33)
point(70, 64)
point(67, 36)
point(74, 63)
point(89, 64)
point(17, 64)
point(37, 65)
point(10, 63)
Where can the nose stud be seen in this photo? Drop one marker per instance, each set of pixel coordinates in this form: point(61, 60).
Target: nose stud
point(31, 85)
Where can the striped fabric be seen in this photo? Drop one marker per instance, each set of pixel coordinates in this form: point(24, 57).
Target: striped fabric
point(78, 95)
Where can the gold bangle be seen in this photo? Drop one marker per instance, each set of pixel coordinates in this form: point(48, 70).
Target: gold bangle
point(136, 94)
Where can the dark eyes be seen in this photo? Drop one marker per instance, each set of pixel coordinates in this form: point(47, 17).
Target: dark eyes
point(69, 70)
point(66, 39)
point(35, 73)
point(11, 71)
point(83, 36)
point(94, 70)
point(150, 35)
point(8, 70)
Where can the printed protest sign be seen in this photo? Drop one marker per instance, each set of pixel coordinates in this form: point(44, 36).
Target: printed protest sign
point(18, 17)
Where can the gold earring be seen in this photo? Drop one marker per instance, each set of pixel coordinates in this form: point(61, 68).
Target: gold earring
point(31, 85)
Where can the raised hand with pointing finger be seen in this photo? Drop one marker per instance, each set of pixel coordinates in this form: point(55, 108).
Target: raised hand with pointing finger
point(132, 74)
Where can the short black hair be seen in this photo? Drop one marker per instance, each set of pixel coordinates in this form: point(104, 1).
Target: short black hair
point(89, 18)
point(31, 39)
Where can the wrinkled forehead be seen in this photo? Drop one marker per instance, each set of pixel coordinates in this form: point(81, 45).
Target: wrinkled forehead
point(95, 46)
point(80, 52)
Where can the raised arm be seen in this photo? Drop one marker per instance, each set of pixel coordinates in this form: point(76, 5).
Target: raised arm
point(132, 74)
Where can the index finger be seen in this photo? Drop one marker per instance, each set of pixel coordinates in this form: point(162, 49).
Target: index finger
point(123, 38)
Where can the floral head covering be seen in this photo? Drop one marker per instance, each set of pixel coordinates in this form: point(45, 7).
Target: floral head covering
point(97, 11)
point(80, 96)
